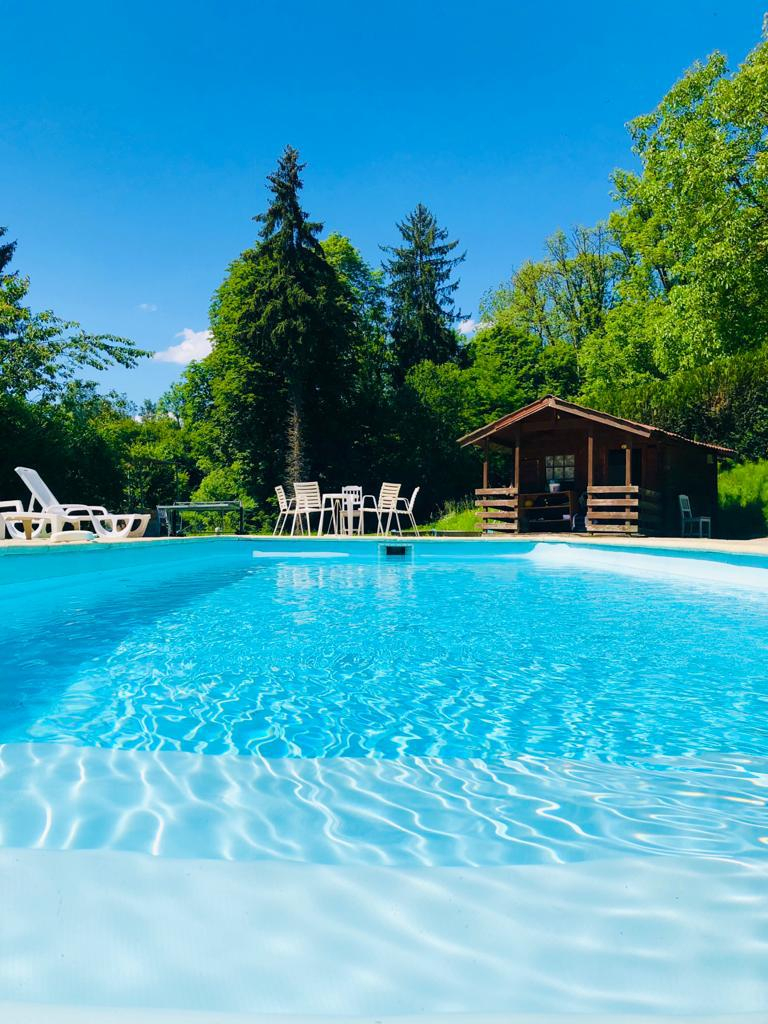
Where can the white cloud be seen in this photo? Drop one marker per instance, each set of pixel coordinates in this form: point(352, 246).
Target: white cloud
point(467, 327)
point(193, 345)
point(147, 307)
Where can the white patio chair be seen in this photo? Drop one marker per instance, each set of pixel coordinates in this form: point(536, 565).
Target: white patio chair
point(386, 505)
point(308, 501)
point(688, 521)
point(105, 524)
point(6, 507)
point(287, 509)
point(405, 507)
point(352, 509)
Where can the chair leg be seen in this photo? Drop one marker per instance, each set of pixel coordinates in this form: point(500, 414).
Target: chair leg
point(413, 522)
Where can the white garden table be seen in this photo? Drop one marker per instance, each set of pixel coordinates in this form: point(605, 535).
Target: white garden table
point(341, 510)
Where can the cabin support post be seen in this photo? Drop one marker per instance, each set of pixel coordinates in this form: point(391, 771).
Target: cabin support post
point(590, 461)
point(628, 465)
point(485, 464)
point(517, 465)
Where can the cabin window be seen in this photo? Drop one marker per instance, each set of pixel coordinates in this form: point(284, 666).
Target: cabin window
point(561, 468)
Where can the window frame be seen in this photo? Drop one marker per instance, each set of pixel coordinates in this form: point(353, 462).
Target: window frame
point(563, 467)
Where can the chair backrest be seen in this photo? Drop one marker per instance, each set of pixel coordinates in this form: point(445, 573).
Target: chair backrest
point(412, 502)
point(40, 491)
point(353, 495)
point(685, 507)
point(308, 496)
point(282, 501)
point(388, 496)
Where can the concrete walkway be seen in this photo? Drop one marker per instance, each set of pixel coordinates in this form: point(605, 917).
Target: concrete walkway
point(755, 546)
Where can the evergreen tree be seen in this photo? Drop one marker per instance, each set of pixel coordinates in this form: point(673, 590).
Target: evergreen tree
point(283, 324)
point(420, 291)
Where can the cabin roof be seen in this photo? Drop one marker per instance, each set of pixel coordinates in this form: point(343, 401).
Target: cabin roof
point(605, 419)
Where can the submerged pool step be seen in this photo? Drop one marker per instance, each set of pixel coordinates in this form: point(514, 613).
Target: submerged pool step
point(629, 935)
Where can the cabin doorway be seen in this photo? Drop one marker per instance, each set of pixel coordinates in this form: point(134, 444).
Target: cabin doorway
point(617, 467)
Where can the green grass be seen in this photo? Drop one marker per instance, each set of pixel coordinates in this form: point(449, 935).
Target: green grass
point(743, 499)
point(458, 516)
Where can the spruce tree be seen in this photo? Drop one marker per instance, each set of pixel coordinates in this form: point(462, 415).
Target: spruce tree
point(420, 290)
point(282, 323)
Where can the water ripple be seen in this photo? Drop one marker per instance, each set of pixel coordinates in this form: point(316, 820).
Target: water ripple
point(444, 660)
point(415, 812)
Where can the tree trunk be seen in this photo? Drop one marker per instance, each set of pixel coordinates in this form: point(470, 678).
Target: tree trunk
point(295, 461)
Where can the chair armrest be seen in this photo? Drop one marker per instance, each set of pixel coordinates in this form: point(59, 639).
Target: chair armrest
point(369, 508)
point(88, 510)
point(11, 506)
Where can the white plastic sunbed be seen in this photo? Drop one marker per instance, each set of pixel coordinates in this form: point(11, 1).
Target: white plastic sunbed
point(105, 524)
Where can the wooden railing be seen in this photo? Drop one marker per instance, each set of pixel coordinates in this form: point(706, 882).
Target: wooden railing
point(497, 509)
point(628, 509)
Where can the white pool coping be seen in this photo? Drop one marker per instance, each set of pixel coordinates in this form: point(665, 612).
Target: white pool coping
point(754, 546)
point(27, 1013)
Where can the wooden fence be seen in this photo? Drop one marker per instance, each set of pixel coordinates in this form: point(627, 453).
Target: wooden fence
point(497, 509)
point(625, 509)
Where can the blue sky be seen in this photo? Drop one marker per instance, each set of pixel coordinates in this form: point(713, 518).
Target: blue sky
point(135, 138)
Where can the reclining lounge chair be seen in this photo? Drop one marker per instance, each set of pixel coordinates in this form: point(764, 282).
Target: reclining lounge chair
point(105, 524)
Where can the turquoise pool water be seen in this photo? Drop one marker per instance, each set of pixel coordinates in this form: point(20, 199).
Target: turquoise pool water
point(551, 761)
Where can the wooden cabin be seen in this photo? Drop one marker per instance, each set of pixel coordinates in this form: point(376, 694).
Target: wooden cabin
point(571, 468)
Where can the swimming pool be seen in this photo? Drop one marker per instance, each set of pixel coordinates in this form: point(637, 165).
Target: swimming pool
point(311, 777)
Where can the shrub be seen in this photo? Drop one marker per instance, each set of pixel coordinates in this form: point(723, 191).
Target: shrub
point(743, 492)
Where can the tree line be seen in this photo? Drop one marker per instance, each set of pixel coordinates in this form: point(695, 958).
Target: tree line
point(326, 367)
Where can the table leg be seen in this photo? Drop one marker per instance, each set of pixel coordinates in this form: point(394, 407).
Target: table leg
point(27, 524)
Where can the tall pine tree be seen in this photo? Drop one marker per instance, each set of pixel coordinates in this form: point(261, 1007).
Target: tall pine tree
point(282, 324)
point(420, 290)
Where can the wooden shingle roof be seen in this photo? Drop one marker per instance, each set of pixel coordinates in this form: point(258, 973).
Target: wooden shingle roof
point(605, 419)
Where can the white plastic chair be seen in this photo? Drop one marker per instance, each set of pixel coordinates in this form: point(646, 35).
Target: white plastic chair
point(287, 508)
point(105, 524)
point(308, 500)
point(12, 506)
point(688, 521)
point(405, 506)
point(386, 505)
point(352, 509)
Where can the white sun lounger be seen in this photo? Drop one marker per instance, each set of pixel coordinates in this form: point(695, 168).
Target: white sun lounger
point(105, 524)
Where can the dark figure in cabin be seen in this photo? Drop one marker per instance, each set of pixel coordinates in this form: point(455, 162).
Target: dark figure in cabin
point(579, 521)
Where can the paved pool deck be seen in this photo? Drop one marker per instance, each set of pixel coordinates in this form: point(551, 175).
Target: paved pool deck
point(755, 546)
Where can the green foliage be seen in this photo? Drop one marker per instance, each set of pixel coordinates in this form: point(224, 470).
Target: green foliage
point(67, 442)
point(41, 354)
point(725, 402)
point(693, 228)
point(457, 517)
point(509, 367)
point(744, 500)
point(420, 290)
point(324, 367)
point(565, 297)
point(283, 325)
